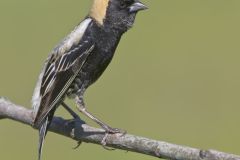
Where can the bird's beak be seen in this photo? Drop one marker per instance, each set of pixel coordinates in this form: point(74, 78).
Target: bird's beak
point(137, 6)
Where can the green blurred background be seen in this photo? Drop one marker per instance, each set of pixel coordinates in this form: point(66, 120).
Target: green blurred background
point(175, 75)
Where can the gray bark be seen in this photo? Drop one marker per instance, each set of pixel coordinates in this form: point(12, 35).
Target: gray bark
point(82, 132)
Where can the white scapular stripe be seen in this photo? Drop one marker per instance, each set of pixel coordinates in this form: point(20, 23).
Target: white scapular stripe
point(75, 36)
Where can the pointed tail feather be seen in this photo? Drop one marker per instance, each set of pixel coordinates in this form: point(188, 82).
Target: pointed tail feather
point(42, 134)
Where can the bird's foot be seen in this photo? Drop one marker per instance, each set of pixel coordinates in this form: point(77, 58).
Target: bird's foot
point(104, 142)
point(78, 145)
point(72, 123)
point(109, 130)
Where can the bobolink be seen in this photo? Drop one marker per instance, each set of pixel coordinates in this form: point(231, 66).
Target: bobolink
point(80, 59)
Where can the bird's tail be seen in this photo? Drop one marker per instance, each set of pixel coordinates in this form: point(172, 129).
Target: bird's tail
point(42, 134)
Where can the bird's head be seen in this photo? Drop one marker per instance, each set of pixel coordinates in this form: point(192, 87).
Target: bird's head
point(116, 14)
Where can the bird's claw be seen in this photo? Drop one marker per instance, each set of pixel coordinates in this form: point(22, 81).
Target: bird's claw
point(114, 130)
point(104, 142)
point(78, 145)
point(108, 131)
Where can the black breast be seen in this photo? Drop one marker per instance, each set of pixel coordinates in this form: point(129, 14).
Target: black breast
point(105, 44)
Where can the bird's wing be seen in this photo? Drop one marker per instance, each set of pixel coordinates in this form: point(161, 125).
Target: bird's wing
point(58, 76)
point(60, 70)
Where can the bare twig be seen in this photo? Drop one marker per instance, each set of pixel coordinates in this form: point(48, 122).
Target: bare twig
point(82, 132)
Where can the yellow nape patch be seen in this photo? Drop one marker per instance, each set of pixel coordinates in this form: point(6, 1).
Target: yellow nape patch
point(99, 9)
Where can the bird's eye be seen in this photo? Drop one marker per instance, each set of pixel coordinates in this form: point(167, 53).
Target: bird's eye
point(125, 3)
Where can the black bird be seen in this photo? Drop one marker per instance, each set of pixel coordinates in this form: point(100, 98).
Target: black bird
point(80, 59)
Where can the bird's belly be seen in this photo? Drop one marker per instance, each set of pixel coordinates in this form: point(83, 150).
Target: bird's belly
point(90, 72)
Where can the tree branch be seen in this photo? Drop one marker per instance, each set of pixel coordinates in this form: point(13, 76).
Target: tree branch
point(82, 132)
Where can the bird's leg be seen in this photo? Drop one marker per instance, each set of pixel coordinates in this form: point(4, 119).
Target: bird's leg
point(81, 107)
point(75, 116)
